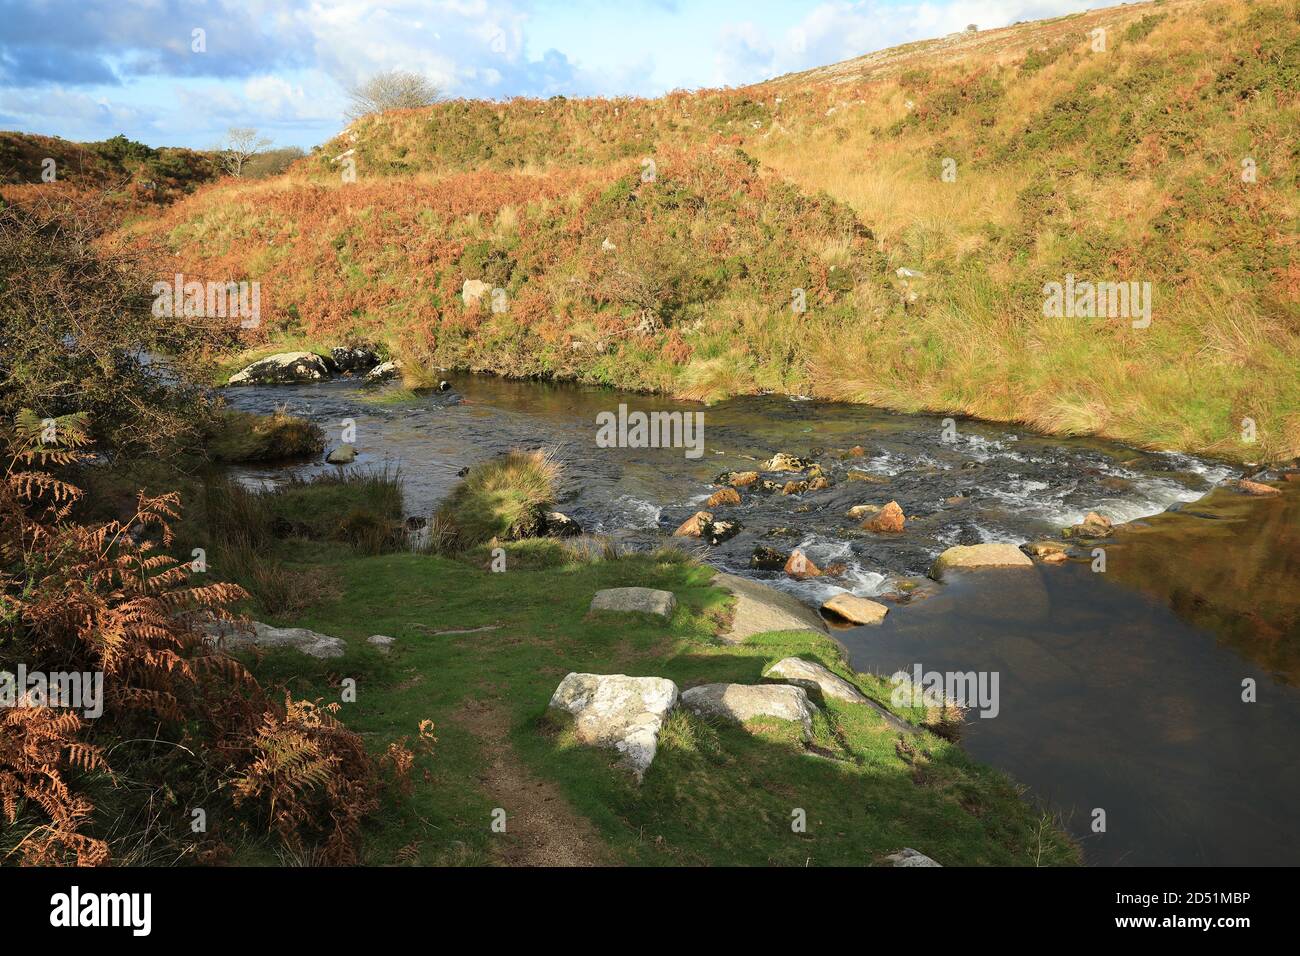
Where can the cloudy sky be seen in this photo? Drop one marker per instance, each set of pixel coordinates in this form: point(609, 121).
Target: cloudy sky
point(89, 69)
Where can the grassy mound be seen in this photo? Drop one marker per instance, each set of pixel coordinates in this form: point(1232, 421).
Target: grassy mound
point(247, 437)
point(505, 498)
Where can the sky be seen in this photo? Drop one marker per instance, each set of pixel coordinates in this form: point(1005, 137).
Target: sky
point(180, 72)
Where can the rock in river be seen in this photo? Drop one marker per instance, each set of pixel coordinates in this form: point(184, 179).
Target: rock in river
point(980, 556)
point(342, 455)
point(888, 520)
point(285, 368)
point(614, 710)
point(856, 609)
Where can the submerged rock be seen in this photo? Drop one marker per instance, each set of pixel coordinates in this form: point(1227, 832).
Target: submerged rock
point(744, 702)
point(617, 711)
point(980, 556)
point(342, 455)
point(768, 559)
point(284, 368)
point(639, 600)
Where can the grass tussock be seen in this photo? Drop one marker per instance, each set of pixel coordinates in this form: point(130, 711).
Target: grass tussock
point(504, 499)
point(248, 437)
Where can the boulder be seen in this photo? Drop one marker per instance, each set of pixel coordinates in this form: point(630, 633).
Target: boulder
point(794, 487)
point(856, 609)
point(617, 711)
point(800, 567)
point(813, 676)
point(889, 520)
point(234, 637)
point(760, 608)
point(342, 455)
point(861, 511)
point(1093, 525)
point(474, 290)
point(354, 360)
point(1257, 488)
point(743, 702)
point(909, 857)
point(695, 526)
point(285, 368)
point(727, 496)
point(384, 371)
point(640, 600)
point(819, 483)
point(742, 479)
point(1050, 552)
point(558, 525)
point(783, 462)
point(980, 556)
point(381, 642)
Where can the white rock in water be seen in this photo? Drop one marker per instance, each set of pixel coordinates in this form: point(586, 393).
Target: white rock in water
point(742, 702)
point(282, 369)
point(614, 710)
point(856, 609)
point(643, 600)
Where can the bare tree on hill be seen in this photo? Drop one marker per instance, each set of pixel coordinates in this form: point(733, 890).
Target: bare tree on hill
point(391, 90)
point(242, 143)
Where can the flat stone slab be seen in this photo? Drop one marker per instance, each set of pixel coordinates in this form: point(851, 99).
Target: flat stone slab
point(980, 556)
point(641, 600)
point(760, 608)
point(742, 702)
point(231, 637)
point(856, 609)
point(810, 675)
point(614, 710)
point(909, 857)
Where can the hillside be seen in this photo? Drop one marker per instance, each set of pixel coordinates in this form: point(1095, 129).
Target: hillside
point(113, 164)
point(983, 165)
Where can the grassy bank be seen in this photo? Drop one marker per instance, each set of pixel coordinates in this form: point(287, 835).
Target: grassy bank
point(479, 653)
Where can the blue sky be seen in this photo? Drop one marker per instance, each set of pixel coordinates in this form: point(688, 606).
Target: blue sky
point(89, 69)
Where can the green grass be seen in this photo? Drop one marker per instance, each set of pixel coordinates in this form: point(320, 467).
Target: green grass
point(716, 794)
point(248, 437)
point(504, 498)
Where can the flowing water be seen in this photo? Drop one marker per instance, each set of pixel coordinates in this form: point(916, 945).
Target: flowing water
point(1118, 691)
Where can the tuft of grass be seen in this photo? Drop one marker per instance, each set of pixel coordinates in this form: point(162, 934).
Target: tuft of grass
point(247, 437)
point(505, 498)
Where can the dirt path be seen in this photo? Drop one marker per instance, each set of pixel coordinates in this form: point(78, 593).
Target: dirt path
point(542, 829)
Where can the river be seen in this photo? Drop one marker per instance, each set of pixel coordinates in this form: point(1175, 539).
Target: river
point(1119, 691)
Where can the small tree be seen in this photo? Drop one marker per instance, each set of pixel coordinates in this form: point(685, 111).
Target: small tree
point(242, 143)
point(392, 90)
